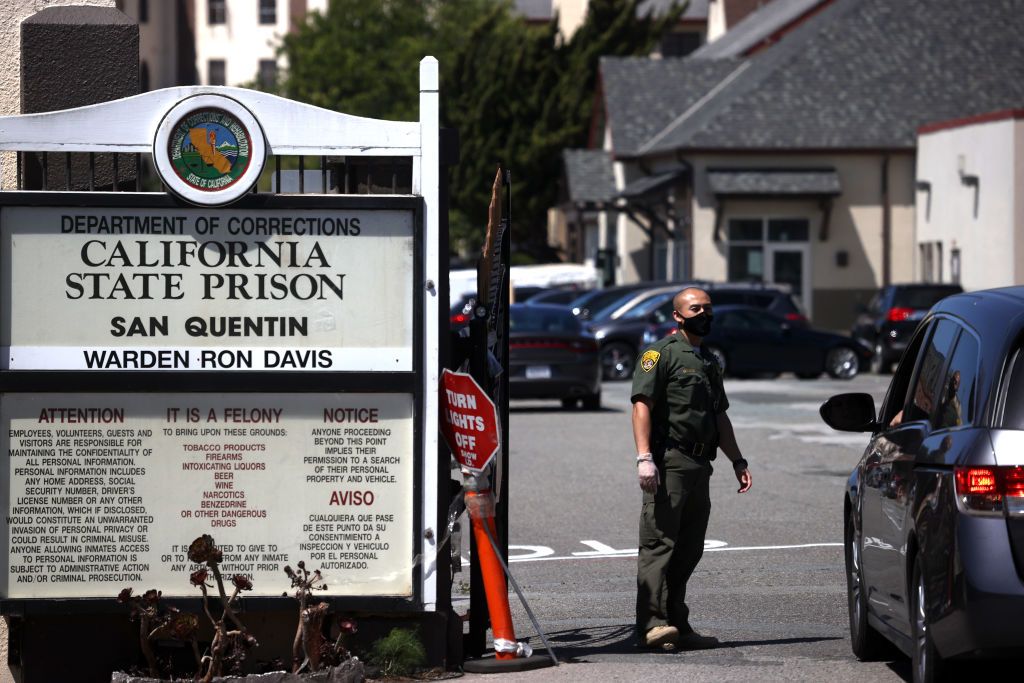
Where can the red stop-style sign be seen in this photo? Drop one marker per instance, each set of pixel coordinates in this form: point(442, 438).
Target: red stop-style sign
point(469, 421)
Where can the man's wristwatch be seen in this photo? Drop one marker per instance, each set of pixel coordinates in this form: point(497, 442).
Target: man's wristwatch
point(739, 464)
point(644, 457)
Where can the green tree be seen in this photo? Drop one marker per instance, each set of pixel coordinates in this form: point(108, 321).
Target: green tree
point(517, 93)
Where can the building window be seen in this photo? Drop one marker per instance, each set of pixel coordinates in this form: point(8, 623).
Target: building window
point(268, 74)
point(771, 250)
point(954, 265)
point(268, 11)
point(143, 11)
point(931, 261)
point(748, 238)
point(680, 43)
point(216, 72)
point(216, 11)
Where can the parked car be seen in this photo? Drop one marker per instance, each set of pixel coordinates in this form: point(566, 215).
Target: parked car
point(461, 311)
point(772, 298)
point(621, 338)
point(560, 296)
point(747, 340)
point(887, 322)
point(934, 509)
point(650, 318)
point(552, 355)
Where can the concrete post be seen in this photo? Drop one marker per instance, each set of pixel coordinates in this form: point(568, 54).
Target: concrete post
point(12, 13)
point(73, 56)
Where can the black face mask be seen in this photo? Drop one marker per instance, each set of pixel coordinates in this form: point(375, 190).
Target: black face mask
point(699, 324)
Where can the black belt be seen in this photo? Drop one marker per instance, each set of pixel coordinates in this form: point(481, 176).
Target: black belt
point(691, 448)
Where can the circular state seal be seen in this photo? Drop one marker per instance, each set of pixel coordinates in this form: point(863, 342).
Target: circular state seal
point(209, 150)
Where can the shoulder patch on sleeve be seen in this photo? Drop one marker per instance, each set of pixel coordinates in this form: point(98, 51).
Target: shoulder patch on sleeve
point(649, 360)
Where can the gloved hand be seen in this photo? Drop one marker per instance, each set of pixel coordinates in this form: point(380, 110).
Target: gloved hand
point(647, 473)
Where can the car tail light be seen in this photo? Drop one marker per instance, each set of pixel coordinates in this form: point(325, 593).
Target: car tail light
point(796, 318)
point(990, 490)
point(574, 345)
point(459, 319)
point(897, 314)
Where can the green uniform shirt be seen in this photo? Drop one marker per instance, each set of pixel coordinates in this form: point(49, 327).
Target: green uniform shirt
point(686, 391)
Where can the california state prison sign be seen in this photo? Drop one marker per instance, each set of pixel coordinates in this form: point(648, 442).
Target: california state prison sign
point(130, 289)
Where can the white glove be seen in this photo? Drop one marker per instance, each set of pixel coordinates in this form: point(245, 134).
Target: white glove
point(647, 473)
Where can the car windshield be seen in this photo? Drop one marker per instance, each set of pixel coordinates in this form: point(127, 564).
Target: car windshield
point(646, 307)
point(922, 297)
point(606, 312)
point(598, 299)
point(541, 319)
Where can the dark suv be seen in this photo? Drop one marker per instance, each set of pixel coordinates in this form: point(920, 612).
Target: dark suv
point(934, 509)
point(892, 316)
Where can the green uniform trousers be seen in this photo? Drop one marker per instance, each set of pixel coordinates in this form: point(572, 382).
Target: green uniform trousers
point(672, 527)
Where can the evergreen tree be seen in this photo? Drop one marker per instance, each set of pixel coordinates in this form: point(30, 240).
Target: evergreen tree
point(517, 93)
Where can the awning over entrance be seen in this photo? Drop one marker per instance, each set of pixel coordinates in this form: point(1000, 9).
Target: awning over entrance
point(653, 183)
point(820, 184)
point(591, 183)
point(761, 182)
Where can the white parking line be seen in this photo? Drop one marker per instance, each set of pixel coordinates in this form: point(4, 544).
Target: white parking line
point(540, 553)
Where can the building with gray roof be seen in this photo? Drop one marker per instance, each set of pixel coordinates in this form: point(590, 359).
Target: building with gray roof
point(814, 128)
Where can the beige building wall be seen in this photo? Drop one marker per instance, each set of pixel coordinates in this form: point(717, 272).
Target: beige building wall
point(855, 227)
point(985, 221)
point(158, 41)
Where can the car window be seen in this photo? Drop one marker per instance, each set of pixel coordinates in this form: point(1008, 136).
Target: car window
point(922, 400)
point(956, 399)
point(875, 305)
point(649, 306)
point(760, 300)
point(727, 298)
point(598, 299)
point(921, 297)
point(663, 313)
point(761, 322)
point(538, 319)
point(558, 296)
point(1013, 388)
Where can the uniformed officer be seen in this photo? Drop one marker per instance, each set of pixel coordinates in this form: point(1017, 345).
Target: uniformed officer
point(679, 421)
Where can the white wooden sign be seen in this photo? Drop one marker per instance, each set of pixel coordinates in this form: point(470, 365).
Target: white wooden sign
point(189, 289)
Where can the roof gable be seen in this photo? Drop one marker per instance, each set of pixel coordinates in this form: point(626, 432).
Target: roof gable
point(859, 74)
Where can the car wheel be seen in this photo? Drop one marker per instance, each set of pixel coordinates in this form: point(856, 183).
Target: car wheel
point(569, 403)
point(592, 401)
point(879, 364)
point(719, 356)
point(928, 665)
point(867, 643)
point(617, 360)
point(842, 363)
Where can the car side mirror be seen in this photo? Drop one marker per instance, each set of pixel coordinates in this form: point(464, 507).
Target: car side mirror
point(854, 412)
